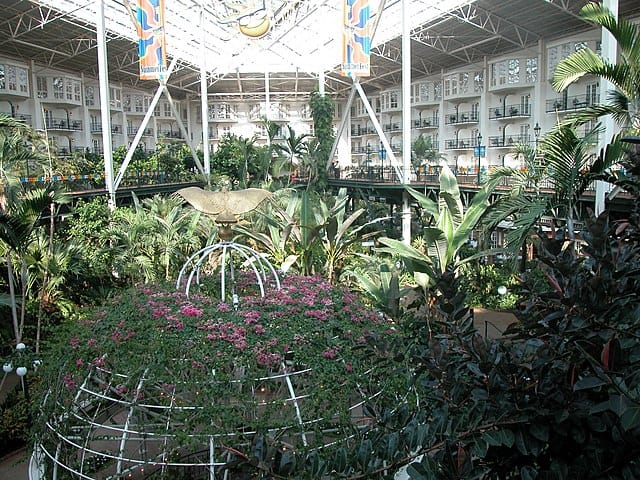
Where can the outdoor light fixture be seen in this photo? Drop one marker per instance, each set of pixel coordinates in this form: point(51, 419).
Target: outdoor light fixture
point(536, 131)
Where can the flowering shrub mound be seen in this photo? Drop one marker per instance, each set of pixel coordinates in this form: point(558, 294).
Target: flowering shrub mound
point(157, 380)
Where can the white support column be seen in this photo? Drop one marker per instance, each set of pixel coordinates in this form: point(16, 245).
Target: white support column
point(610, 53)
point(204, 104)
point(267, 95)
point(184, 131)
point(105, 111)
point(406, 122)
point(379, 131)
point(341, 126)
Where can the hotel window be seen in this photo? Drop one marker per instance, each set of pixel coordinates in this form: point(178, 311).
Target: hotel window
point(2, 81)
point(593, 93)
point(166, 110)
point(89, 96)
point(393, 99)
point(478, 82)
point(437, 91)
point(69, 89)
point(463, 83)
point(41, 86)
point(126, 102)
point(139, 106)
point(11, 78)
point(531, 70)
point(76, 91)
point(514, 71)
point(58, 88)
point(23, 80)
point(115, 98)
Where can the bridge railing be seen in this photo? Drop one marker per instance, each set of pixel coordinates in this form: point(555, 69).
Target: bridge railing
point(430, 175)
point(90, 181)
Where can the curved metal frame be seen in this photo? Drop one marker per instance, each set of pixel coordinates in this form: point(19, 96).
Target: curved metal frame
point(259, 264)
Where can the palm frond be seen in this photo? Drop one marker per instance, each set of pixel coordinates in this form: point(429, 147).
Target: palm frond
point(625, 32)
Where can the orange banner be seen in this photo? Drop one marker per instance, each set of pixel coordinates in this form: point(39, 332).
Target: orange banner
point(356, 38)
point(151, 43)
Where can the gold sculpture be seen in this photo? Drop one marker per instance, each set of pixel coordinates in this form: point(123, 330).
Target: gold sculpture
point(225, 205)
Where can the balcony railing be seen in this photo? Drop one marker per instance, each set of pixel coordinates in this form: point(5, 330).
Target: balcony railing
point(459, 143)
point(173, 135)
point(560, 104)
point(461, 118)
point(509, 141)
point(433, 122)
point(65, 152)
point(518, 110)
point(133, 129)
point(63, 124)
point(23, 118)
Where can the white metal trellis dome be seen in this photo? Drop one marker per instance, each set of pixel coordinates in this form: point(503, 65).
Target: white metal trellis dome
point(101, 436)
point(170, 405)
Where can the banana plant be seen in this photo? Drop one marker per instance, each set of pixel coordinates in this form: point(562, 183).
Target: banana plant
point(340, 232)
point(450, 230)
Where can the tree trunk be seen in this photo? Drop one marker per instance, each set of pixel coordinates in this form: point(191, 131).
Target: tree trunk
point(12, 295)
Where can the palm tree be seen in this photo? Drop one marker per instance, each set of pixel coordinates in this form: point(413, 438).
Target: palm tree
point(294, 147)
point(425, 152)
point(177, 231)
point(624, 75)
point(18, 221)
point(568, 166)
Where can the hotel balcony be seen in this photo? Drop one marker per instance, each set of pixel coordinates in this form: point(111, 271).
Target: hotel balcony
point(508, 141)
point(53, 123)
point(507, 112)
point(461, 118)
point(568, 104)
point(459, 143)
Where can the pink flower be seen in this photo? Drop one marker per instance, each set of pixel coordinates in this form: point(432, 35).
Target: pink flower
point(348, 367)
point(92, 342)
point(75, 342)
point(79, 362)
point(258, 330)
point(329, 353)
point(68, 382)
point(191, 311)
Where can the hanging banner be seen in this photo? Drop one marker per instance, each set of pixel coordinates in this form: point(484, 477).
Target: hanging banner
point(356, 38)
point(151, 43)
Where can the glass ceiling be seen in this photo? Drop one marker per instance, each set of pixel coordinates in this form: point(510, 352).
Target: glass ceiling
point(305, 35)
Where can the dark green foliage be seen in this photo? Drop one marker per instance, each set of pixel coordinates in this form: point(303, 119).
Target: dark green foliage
point(561, 398)
point(14, 421)
point(483, 283)
point(322, 111)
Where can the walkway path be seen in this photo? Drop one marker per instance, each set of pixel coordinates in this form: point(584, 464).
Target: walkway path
point(15, 466)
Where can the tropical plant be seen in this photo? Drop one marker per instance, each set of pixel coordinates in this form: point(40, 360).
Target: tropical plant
point(293, 147)
point(322, 110)
point(567, 165)
point(623, 72)
point(18, 221)
point(178, 232)
point(424, 152)
point(339, 233)
point(450, 229)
